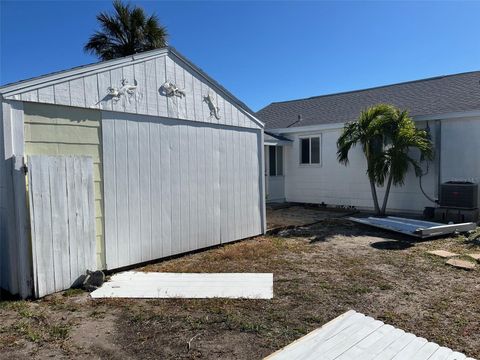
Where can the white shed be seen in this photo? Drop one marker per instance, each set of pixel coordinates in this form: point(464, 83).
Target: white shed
point(122, 162)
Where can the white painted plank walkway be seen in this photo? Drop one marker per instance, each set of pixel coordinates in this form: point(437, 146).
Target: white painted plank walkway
point(131, 284)
point(354, 336)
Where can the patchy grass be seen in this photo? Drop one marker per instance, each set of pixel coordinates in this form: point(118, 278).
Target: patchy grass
point(319, 273)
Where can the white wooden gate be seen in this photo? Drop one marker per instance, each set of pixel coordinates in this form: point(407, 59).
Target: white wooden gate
point(62, 220)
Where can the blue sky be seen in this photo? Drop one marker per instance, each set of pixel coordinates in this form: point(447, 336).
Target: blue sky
point(264, 51)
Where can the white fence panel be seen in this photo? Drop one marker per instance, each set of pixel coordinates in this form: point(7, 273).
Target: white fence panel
point(62, 217)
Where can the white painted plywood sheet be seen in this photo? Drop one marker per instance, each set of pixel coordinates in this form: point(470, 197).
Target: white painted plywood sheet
point(131, 284)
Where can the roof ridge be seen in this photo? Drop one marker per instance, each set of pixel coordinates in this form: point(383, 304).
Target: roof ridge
point(86, 66)
point(374, 87)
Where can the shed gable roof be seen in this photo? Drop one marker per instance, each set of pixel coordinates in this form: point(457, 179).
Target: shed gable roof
point(438, 95)
point(86, 86)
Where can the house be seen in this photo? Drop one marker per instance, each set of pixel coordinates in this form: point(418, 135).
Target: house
point(122, 162)
point(301, 149)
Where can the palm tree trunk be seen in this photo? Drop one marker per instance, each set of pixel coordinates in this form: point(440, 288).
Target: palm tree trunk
point(374, 196)
point(387, 192)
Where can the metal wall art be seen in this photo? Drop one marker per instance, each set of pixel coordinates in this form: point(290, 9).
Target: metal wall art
point(214, 110)
point(170, 89)
point(126, 89)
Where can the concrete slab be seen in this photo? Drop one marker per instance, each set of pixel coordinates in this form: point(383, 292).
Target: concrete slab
point(475, 256)
point(461, 264)
point(442, 253)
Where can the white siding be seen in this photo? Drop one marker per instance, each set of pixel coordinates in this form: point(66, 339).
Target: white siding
point(62, 220)
point(4, 266)
point(90, 90)
point(15, 273)
point(460, 150)
point(336, 184)
point(173, 186)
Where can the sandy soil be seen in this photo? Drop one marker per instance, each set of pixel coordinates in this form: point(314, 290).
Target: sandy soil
point(319, 272)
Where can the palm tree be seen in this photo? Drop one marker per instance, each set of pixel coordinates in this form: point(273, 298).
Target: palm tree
point(128, 31)
point(386, 135)
point(365, 132)
point(392, 164)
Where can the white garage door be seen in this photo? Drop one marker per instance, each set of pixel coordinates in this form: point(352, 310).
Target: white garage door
point(173, 186)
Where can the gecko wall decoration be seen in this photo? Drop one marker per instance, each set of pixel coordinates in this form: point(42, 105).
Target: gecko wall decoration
point(125, 89)
point(170, 89)
point(214, 110)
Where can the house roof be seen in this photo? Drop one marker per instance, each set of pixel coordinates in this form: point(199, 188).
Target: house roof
point(60, 76)
point(432, 96)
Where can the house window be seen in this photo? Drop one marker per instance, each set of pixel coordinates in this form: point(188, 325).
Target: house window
point(275, 160)
point(310, 150)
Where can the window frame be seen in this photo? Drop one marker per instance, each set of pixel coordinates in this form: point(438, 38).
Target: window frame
point(276, 149)
point(300, 149)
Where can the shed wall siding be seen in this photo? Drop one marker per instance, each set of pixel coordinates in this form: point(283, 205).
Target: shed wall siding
point(4, 263)
point(62, 130)
point(336, 184)
point(173, 186)
point(90, 91)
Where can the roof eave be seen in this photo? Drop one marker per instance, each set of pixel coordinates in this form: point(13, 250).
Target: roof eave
point(337, 125)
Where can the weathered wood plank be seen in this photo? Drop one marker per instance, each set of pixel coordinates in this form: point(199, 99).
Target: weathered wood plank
point(161, 78)
point(77, 92)
point(145, 166)
point(122, 198)
point(175, 176)
point(30, 96)
point(141, 93)
point(130, 101)
point(172, 101)
point(62, 93)
point(184, 180)
point(110, 191)
point(180, 82)
point(216, 185)
point(166, 134)
point(157, 239)
point(59, 223)
point(91, 91)
point(202, 232)
point(72, 224)
point(193, 187)
point(104, 82)
point(133, 191)
point(151, 89)
point(46, 95)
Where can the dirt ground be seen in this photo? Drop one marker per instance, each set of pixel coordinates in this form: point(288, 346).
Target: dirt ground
point(319, 272)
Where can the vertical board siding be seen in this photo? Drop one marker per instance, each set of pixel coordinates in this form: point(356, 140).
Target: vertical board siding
point(91, 91)
point(62, 220)
point(179, 186)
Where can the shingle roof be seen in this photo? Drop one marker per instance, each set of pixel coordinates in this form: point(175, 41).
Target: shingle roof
point(438, 95)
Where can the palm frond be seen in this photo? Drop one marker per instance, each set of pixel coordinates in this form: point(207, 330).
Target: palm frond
point(126, 31)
